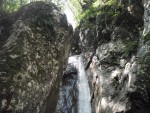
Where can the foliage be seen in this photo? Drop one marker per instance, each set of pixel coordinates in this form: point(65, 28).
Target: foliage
point(147, 37)
point(11, 6)
point(89, 13)
point(130, 46)
point(76, 6)
point(104, 8)
point(110, 2)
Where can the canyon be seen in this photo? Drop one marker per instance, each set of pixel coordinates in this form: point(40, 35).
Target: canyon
point(102, 66)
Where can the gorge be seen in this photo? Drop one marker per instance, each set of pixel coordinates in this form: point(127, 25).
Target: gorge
point(101, 66)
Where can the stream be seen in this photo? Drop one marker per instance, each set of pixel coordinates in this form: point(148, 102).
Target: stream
point(74, 91)
point(84, 90)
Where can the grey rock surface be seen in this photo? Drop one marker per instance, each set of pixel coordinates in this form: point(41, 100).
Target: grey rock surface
point(117, 58)
point(33, 56)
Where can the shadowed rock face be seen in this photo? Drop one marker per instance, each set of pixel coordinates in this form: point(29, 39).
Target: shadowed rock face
point(117, 56)
point(68, 97)
point(32, 58)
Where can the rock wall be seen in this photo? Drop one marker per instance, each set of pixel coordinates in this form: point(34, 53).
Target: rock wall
point(116, 51)
point(35, 45)
point(146, 16)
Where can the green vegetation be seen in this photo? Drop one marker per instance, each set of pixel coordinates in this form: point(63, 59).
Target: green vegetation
point(90, 13)
point(147, 37)
point(76, 7)
point(107, 9)
point(12, 5)
point(130, 46)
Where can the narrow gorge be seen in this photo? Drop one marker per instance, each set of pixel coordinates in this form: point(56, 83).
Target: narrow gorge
point(99, 64)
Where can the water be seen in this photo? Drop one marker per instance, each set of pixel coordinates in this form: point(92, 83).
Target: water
point(84, 91)
point(74, 91)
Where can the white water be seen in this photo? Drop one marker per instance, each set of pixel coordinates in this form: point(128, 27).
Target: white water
point(84, 104)
point(84, 91)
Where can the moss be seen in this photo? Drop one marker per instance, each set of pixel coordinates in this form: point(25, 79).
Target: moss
point(147, 37)
point(130, 46)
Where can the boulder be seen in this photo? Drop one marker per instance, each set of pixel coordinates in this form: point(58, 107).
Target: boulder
point(32, 58)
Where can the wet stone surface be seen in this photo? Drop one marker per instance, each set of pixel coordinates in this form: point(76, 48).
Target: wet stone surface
point(68, 100)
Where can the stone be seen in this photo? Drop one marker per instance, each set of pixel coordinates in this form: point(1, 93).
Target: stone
point(123, 66)
point(35, 54)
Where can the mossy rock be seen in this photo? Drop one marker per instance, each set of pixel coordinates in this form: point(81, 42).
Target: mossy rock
point(130, 46)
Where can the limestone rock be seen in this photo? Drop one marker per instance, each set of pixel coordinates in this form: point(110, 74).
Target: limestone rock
point(119, 61)
point(33, 55)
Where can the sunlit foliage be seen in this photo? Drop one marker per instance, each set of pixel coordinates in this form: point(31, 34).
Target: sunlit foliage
point(76, 7)
point(13, 5)
point(99, 7)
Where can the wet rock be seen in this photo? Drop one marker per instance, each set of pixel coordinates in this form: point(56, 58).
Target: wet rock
point(68, 97)
point(70, 70)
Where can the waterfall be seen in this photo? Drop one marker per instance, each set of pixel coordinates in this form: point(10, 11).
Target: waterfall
point(74, 96)
point(84, 91)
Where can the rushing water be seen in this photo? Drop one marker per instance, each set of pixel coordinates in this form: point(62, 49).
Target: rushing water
point(84, 91)
point(75, 92)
